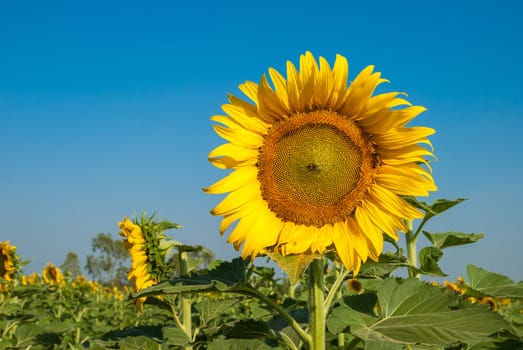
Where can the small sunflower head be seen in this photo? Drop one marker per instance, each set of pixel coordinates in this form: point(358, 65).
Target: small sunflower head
point(355, 285)
point(148, 247)
point(9, 265)
point(52, 274)
point(490, 302)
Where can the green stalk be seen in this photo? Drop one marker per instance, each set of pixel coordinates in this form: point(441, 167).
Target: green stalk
point(247, 290)
point(316, 307)
point(340, 277)
point(335, 289)
point(412, 254)
point(353, 343)
point(186, 302)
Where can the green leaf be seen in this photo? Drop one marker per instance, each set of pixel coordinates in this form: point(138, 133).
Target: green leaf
point(251, 329)
point(364, 303)
point(449, 239)
point(499, 345)
point(413, 312)
point(493, 284)
point(135, 334)
point(138, 343)
point(238, 344)
point(343, 319)
point(418, 204)
point(167, 225)
point(377, 345)
point(429, 257)
point(59, 326)
point(437, 328)
point(221, 278)
point(388, 262)
point(441, 205)
point(211, 308)
point(25, 332)
point(437, 207)
point(293, 265)
point(175, 336)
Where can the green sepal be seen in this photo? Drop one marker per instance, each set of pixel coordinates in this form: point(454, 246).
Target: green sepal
point(293, 265)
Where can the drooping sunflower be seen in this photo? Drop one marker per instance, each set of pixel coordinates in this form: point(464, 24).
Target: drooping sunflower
point(135, 243)
point(148, 246)
point(319, 164)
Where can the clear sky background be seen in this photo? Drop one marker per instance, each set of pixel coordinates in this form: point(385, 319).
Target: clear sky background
point(105, 107)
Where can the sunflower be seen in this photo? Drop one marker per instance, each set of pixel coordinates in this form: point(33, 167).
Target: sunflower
point(8, 265)
point(319, 165)
point(52, 274)
point(136, 245)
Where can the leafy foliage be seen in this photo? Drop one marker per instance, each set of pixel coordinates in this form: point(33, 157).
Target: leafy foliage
point(412, 312)
point(209, 304)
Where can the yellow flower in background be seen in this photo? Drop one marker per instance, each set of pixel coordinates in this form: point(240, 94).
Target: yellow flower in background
point(135, 243)
point(8, 261)
point(490, 302)
point(95, 286)
point(355, 285)
point(52, 274)
point(319, 165)
point(32, 279)
point(8, 266)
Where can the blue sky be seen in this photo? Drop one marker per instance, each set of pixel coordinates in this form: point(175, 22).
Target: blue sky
point(105, 107)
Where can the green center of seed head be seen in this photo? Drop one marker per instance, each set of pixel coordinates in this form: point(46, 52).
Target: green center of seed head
point(316, 164)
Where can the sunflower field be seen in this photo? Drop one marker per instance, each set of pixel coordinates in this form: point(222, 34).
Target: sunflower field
point(322, 179)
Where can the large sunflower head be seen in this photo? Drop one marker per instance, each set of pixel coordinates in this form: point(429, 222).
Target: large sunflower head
point(319, 164)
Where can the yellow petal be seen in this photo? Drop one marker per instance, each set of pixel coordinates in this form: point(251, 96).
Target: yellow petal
point(250, 89)
point(340, 74)
point(323, 87)
point(270, 107)
point(238, 178)
point(393, 203)
point(239, 115)
point(238, 199)
point(240, 137)
point(294, 89)
point(280, 86)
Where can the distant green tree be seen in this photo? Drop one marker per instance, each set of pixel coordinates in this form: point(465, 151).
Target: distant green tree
point(71, 265)
point(109, 262)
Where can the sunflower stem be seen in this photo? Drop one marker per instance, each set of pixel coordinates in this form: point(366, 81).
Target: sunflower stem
point(341, 274)
point(186, 302)
point(248, 290)
point(316, 305)
point(335, 290)
point(412, 254)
